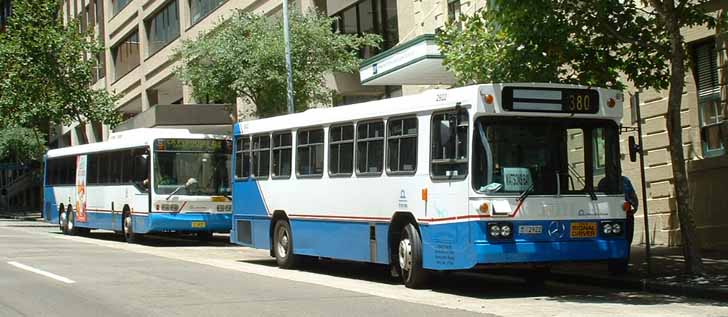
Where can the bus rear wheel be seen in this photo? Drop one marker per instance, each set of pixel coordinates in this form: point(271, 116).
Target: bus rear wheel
point(410, 258)
point(71, 228)
point(283, 245)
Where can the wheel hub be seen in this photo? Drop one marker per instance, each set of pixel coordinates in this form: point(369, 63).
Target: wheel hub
point(405, 254)
point(282, 243)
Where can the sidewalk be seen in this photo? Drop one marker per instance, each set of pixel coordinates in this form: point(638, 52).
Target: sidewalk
point(19, 215)
point(667, 277)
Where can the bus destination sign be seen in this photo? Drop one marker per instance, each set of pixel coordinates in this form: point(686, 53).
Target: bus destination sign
point(531, 99)
point(192, 145)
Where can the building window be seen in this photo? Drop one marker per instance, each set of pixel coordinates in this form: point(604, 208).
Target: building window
point(454, 13)
point(371, 16)
point(402, 145)
point(5, 11)
point(118, 5)
point(126, 55)
point(163, 28)
point(99, 69)
point(706, 74)
point(199, 9)
point(370, 148)
point(310, 153)
point(282, 150)
point(341, 150)
point(261, 156)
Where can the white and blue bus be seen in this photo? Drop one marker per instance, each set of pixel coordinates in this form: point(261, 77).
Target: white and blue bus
point(479, 176)
point(141, 181)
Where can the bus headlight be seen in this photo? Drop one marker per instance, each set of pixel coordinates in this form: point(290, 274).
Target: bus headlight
point(505, 231)
point(616, 229)
point(607, 228)
point(494, 230)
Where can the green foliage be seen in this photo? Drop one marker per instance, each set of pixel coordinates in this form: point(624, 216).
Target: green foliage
point(245, 56)
point(567, 41)
point(44, 77)
point(21, 145)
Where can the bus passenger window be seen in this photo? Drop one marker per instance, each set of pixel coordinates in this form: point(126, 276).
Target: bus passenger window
point(341, 150)
point(310, 153)
point(261, 156)
point(281, 166)
point(449, 144)
point(370, 148)
point(402, 146)
point(242, 157)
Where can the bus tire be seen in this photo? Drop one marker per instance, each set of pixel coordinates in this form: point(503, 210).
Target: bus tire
point(128, 229)
point(409, 257)
point(63, 220)
point(71, 228)
point(204, 236)
point(283, 245)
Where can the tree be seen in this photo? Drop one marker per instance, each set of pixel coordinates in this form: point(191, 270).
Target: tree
point(243, 56)
point(591, 43)
point(45, 71)
point(21, 145)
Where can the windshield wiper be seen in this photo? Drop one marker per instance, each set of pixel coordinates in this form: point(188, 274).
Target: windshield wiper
point(590, 190)
point(525, 193)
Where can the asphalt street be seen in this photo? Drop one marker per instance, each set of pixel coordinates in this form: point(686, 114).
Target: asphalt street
point(44, 273)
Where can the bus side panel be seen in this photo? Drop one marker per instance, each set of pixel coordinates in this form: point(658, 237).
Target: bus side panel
point(247, 198)
point(332, 239)
point(251, 232)
point(50, 207)
point(447, 246)
point(96, 220)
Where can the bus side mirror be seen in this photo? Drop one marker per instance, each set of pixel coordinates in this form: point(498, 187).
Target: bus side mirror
point(634, 148)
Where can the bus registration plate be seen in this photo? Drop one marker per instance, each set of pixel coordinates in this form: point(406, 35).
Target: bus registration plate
point(530, 229)
point(583, 229)
point(198, 224)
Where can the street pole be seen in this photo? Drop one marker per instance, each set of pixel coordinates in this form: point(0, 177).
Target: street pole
point(286, 38)
point(638, 111)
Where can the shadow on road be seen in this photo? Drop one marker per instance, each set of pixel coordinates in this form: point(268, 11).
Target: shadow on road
point(164, 240)
point(489, 284)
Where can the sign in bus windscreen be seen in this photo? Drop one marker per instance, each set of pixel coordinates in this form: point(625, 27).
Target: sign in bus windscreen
point(532, 99)
point(192, 145)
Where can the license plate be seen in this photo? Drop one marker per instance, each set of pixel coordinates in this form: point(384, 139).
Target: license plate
point(198, 224)
point(583, 229)
point(526, 229)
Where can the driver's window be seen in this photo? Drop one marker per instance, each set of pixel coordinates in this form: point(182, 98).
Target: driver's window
point(575, 179)
point(449, 144)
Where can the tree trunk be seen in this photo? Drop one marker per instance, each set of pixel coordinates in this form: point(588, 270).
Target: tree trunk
point(690, 244)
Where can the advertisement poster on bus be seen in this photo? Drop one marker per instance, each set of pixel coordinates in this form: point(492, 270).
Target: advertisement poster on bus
point(81, 188)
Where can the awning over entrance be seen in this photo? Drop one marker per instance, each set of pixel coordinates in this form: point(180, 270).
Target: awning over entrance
point(416, 62)
point(198, 118)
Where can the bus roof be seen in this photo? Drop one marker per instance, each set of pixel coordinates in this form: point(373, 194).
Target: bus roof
point(130, 139)
point(430, 100)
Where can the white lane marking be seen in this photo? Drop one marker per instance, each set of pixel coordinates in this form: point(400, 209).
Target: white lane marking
point(41, 272)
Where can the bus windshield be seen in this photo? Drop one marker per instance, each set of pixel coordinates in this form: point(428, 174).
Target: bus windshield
point(546, 156)
point(206, 161)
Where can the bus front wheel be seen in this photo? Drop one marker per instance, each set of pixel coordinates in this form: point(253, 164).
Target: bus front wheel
point(410, 258)
point(283, 245)
point(128, 229)
point(63, 220)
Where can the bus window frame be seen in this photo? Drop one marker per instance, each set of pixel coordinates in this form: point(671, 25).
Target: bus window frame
point(339, 143)
point(253, 167)
point(387, 137)
point(308, 145)
point(467, 160)
point(367, 139)
point(237, 150)
point(280, 148)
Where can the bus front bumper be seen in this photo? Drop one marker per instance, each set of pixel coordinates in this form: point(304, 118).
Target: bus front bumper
point(186, 222)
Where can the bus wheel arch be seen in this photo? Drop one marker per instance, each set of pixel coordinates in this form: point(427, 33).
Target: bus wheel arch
point(282, 240)
point(405, 247)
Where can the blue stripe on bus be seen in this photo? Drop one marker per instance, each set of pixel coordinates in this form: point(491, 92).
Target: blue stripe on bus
point(448, 246)
point(158, 222)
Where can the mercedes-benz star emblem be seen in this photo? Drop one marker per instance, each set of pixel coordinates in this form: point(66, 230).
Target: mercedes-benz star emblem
point(556, 230)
